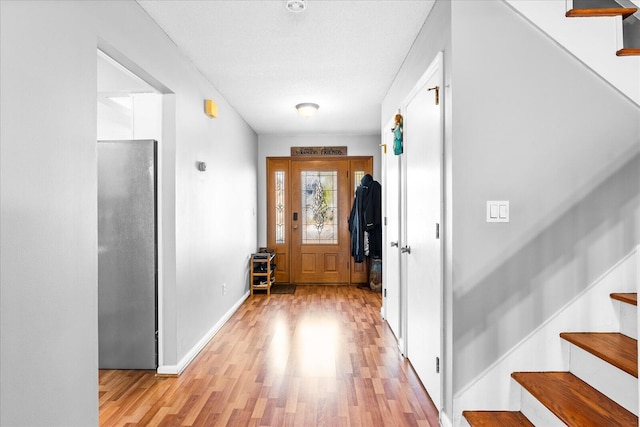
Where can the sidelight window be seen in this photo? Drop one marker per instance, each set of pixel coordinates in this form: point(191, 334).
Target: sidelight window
point(279, 207)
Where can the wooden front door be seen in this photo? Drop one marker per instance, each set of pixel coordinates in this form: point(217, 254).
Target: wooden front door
point(308, 206)
point(321, 203)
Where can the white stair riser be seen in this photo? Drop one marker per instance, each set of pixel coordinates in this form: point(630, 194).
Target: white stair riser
point(614, 383)
point(535, 411)
point(628, 320)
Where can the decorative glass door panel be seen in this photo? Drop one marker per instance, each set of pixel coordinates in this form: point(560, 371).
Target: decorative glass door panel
point(320, 206)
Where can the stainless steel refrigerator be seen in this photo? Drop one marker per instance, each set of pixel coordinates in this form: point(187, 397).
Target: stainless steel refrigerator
point(127, 255)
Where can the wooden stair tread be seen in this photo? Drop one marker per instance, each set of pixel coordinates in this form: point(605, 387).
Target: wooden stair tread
point(628, 52)
point(496, 419)
point(573, 401)
point(629, 298)
point(615, 348)
point(608, 11)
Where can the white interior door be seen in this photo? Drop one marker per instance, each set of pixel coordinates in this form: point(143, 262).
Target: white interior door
point(421, 246)
point(391, 270)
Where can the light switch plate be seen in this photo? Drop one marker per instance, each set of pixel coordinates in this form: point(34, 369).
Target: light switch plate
point(497, 211)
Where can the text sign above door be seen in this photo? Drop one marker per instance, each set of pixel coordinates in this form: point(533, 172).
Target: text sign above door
point(318, 151)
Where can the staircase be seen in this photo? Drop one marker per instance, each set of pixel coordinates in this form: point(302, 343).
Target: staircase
point(623, 8)
point(600, 389)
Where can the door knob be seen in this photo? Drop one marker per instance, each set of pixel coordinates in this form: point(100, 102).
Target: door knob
point(394, 244)
point(405, 249)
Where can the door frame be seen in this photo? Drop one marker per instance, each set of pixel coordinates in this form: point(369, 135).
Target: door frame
point(387, 251)
point(436, 66)
point(164, 137)
point(283, 258)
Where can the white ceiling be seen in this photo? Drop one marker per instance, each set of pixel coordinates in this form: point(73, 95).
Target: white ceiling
point(340, 54)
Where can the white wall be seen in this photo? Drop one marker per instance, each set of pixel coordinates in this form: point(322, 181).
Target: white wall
point(49, 356)
point(280, 145)
point(535, 126)
point(538, 128)
point(593, 40)
point(142, 121)
point(48, 270)
point(434, 37)
point(525, 121)
point(591, 311)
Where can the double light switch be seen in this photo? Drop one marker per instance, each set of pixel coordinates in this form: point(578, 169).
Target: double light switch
point(498, 211)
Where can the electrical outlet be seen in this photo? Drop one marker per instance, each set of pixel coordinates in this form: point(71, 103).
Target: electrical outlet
point(224, 289)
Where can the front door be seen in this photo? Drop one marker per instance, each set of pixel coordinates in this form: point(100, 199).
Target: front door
point(316, 248)
point(321, 202)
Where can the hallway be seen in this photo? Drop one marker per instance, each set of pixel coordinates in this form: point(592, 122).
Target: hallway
point(322, 356)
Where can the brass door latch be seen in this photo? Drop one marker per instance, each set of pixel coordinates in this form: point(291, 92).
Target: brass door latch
point(437, 89)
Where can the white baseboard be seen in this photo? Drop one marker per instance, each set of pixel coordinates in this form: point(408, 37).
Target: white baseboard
point(191, 354)
point(444, 420)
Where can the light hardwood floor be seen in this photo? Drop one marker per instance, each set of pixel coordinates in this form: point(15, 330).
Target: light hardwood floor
point(320, 357)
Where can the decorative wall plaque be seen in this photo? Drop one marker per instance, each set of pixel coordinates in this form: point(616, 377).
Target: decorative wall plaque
point(318, 151)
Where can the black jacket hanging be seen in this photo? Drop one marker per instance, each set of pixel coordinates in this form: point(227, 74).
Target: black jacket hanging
point(366, 215)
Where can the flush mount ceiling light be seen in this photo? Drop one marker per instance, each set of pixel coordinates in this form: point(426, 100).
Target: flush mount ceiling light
point(296, 6)
point(307, 109)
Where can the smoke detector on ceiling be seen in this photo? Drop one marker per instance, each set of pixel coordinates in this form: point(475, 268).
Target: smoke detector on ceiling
point(296, 6)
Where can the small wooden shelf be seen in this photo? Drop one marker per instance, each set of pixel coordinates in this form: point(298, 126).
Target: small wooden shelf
point(262, 273)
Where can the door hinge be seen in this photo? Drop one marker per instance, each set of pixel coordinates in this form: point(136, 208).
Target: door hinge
point(385, 220)
point(437, 230)
point(437, 365)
